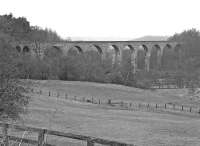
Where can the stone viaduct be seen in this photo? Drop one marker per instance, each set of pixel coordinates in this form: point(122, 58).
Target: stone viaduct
point(116, 49)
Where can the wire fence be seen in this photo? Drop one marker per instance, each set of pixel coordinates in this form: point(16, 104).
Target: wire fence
point(123, 105)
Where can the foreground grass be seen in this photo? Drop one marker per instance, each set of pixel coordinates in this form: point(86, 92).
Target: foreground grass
point(141, 128)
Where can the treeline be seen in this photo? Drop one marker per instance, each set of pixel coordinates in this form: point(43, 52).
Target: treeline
point(12, 91)
point(89, 66)
point(19, 29)
point(190, 63)
point(75, 67)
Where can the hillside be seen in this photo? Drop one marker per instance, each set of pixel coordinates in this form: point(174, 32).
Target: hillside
point(137, 127)
point(151, 38)
point(118, 92)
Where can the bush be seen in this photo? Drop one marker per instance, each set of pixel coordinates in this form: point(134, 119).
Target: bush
point(115, 77)
point(143, 84)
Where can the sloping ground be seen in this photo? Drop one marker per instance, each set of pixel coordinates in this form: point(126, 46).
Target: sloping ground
point(119, 92)
point(141, 128)
point(137, 127)
point(152, 38)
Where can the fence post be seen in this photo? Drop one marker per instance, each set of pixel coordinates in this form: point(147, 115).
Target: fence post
point(139, 106)
point(109, 101)
point(5, 135)
point(41, 138)
point(182, 108)
point(190, 109)
point(90, 143)
point(148, 106)
point(99, 101)
point(156, 105)
point(174, 106)
point(165, 105)
point(65, 95)
point(122, 103)
point(49, 93)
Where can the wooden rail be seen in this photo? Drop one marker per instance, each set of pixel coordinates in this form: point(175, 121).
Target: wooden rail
point(42, 132)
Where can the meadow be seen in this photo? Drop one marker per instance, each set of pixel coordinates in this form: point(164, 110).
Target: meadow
point(138, 127)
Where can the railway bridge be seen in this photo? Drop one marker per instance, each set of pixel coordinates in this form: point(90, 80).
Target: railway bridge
point(115, 48)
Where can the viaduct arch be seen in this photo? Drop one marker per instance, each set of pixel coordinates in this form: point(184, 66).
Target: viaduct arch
point(149, 49)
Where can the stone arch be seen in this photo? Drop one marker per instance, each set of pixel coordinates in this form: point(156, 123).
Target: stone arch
point(53, 51)
point(155, 57)
point(157, 46)
point(80, 50)
point(26, 49)
point(131, 47)
point(18, 48)
point(147, 52)
point(99, 49)
point(100, 53)
point(177, 48)
point(116, 48)
point(141, 58)
point(57, 49)
point(169, 46)
point(133, 58)
point(74, 50)
point(145, 48)
point(116, 55)
point(178, 52)
point(128, 50)
point(168, 58)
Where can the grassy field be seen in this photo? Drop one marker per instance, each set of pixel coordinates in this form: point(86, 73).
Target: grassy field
point(137, 127)
point(119, 92)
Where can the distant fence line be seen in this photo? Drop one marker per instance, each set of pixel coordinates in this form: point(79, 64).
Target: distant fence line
point(119, 104)
point(41, 136)
point(172, 84)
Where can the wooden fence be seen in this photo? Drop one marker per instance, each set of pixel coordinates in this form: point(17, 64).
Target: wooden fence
point(125, 105)
point(41, 137)
point(172, 84)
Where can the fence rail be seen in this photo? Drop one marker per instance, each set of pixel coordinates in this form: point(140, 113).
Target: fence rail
point(42, 132)
point(172, 84)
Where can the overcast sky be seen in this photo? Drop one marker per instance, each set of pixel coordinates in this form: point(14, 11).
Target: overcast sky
point(108, 18)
